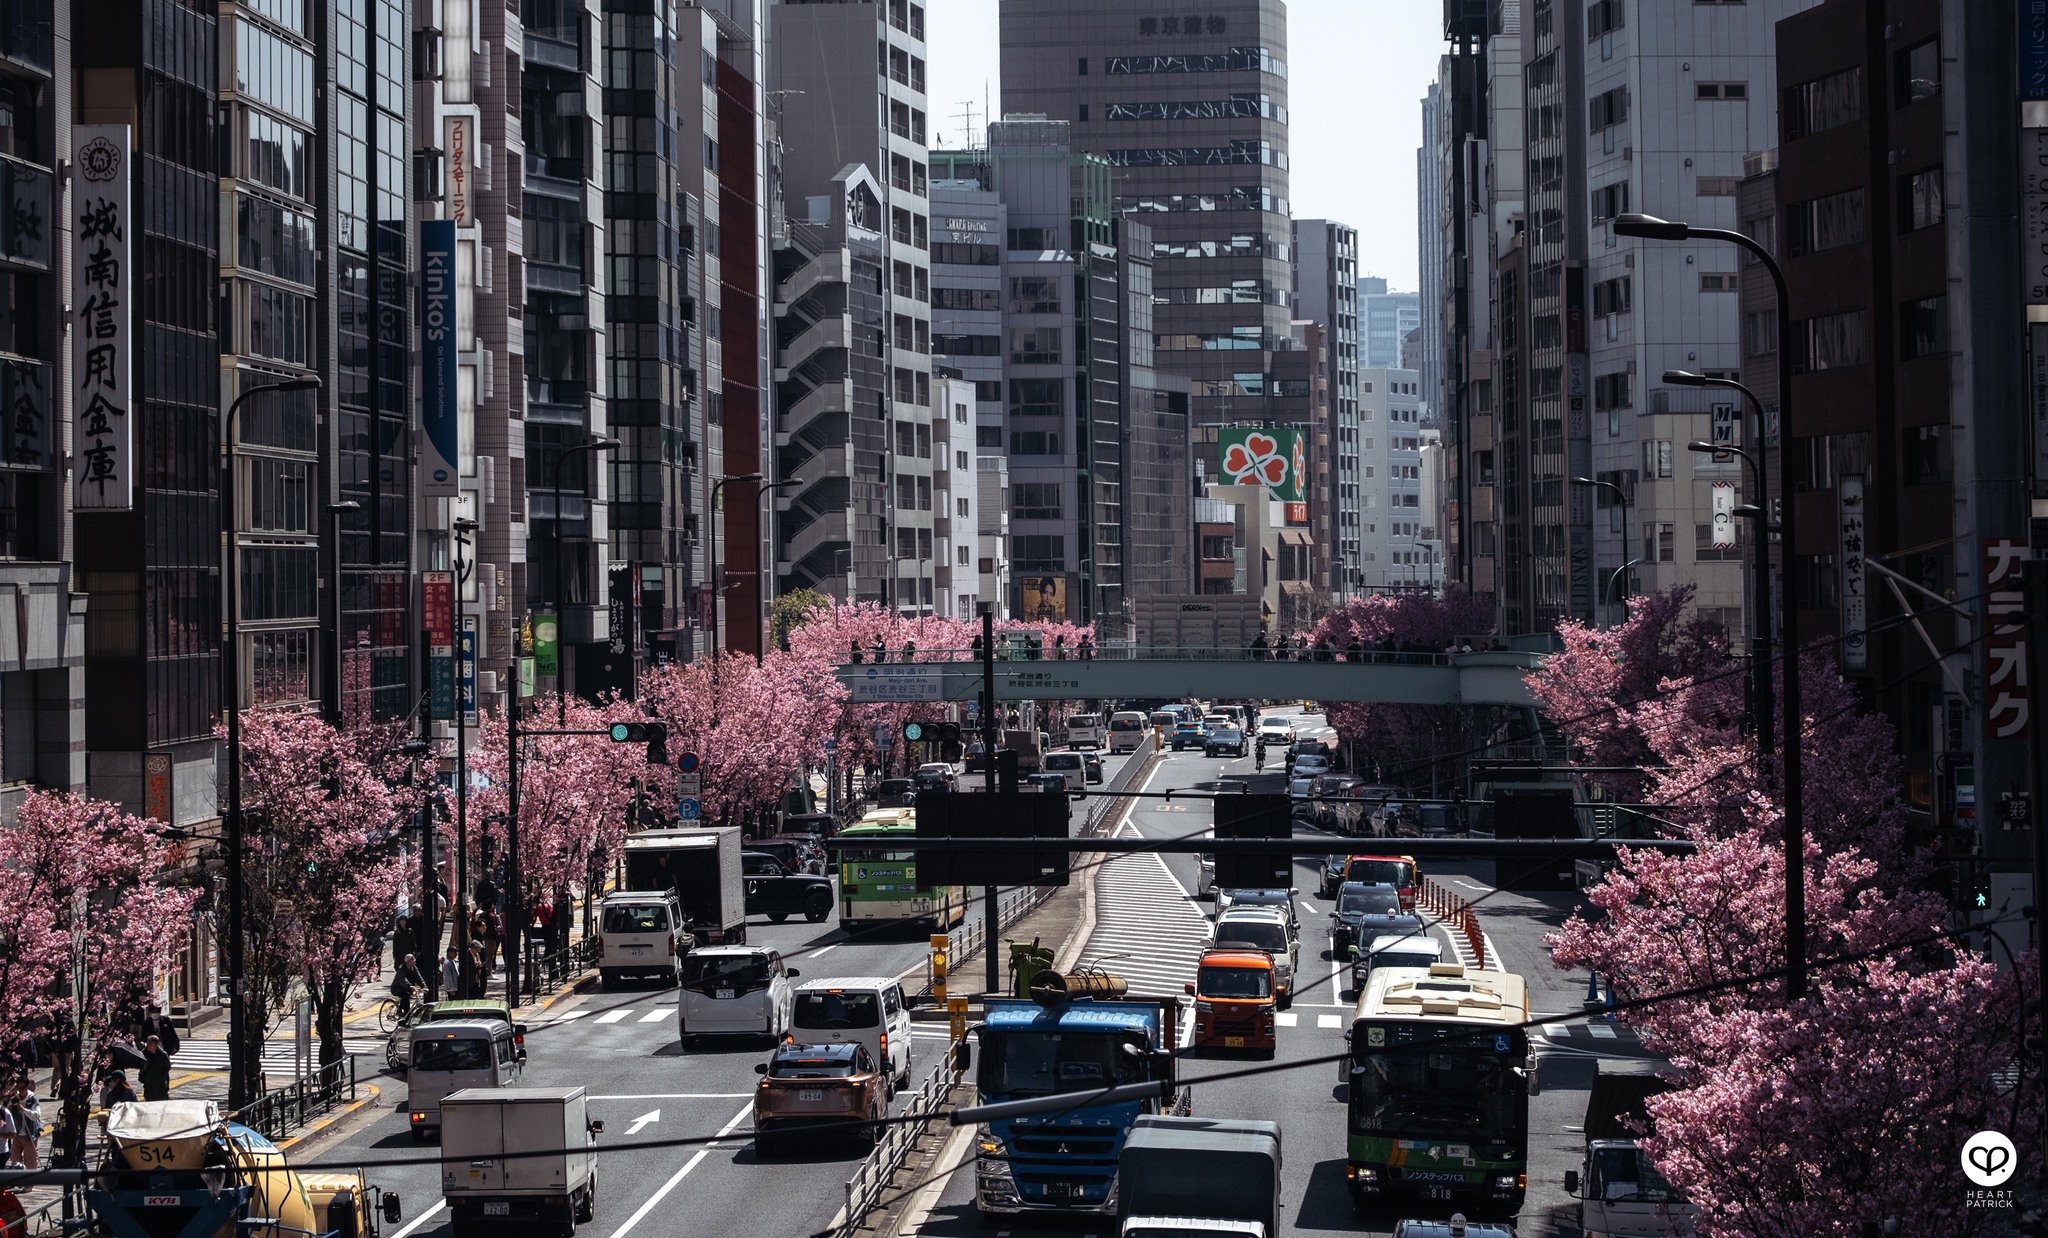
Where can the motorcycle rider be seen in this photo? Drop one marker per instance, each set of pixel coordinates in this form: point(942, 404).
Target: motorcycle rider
point(1259, 754)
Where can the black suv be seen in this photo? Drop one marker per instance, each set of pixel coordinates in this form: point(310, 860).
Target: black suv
point(896, 793)
point(777, 893)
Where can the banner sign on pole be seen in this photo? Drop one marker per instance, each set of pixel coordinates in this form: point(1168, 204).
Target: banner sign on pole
point(1724, 513)
point(1855, 600)
point(437, 600)
point(2005, 645)
point(102, 287)
point(441, 443)
point(468, 674)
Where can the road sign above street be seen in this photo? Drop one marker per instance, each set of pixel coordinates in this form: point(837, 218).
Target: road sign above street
point(687, 763)
point(903, 682)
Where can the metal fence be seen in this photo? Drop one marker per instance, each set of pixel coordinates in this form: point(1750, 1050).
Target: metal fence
point(864, 1189)
point(545, 973)
point(280, 1111)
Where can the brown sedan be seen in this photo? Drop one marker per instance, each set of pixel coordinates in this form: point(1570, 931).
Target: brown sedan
point(819, 1091)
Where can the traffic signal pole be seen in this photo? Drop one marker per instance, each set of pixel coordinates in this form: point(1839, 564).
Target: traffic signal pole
point(991, 976)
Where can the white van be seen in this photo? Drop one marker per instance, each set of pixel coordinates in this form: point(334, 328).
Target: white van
point(448, 1057)
point(1084, 730)
point(1126, 731)
point(734, 991)
point(641, 935)
point(1068, 765)
point(1402, 952)
point(868, 1010)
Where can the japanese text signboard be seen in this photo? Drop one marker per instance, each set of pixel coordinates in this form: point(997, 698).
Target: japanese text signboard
point(1855, 595)
point(2005, 645)
point(102, 361)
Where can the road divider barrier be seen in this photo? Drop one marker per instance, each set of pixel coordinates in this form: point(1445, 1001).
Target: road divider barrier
point(865, 1188)
point(1455, 914)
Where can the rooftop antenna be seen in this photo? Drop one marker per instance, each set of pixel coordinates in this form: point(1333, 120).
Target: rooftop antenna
point(967, 114)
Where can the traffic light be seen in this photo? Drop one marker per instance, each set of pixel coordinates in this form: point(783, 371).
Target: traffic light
point(915, 731)
point(950, 747)
point(653, 734)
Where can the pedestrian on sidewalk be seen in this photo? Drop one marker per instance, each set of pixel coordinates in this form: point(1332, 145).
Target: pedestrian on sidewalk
point(64, 1047)
point(402, 944)
point(451, 975)
point(25, 1113)
point(117, 1090)
point(479, 973)
point(157, 1024)
point(156, 1070)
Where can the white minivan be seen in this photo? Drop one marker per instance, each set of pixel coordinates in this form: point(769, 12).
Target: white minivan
point(1126, 731)
point(640, 934)
point(447, 1057)
point(1068, 765)
point(868, 1010)
point(1084, 730)
point(734, 991)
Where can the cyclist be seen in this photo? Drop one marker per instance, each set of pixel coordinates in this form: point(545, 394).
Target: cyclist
point(1259, 754)
point(406, 983)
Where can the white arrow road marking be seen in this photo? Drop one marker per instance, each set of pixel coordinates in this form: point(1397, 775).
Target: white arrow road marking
point(746, 1111)
point(643, 1120)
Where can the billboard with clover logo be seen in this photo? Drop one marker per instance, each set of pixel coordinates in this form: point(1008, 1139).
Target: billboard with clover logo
point(1275, 459)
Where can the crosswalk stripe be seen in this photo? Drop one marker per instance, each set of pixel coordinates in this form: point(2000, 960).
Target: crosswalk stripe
point(1329, 1020)
point(568, 1015)
point(613, 1016)
point(213, 1054)
point(654, 1016)
point(1288, 1019)
point(1146, 928)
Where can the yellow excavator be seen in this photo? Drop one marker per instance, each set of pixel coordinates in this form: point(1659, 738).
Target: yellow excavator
point(180, 1169)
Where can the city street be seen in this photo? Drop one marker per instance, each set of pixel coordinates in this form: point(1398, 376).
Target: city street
point(1149, 930)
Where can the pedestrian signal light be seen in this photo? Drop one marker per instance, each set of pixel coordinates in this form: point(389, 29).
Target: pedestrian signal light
point(915, 731)
point(653, 734)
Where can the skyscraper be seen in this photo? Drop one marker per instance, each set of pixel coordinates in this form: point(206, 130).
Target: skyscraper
point(1383, 319)
point(1326, 287)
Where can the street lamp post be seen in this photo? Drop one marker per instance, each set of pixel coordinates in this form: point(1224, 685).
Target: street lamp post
point(561, 603)
point(459, 533)
point(231, 700)
point(1620, 497)
point(711, 539)
point(761, 495)
point(1760, 635)
point(1649, 227)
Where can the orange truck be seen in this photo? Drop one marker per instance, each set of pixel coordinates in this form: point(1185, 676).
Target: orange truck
point(1235, 996)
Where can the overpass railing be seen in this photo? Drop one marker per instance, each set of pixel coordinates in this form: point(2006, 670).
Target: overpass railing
point(1362, 654)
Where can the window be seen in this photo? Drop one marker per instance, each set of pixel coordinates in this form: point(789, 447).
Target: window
point(1717, 186)
point(1923, 327)
point(1920, 199)
point(963, 298)
point(1035, 500)
point(1831, 342)
point(968, 345)
point(1717, 282)
point(1657, 542)
point(1033, 239)
point(1604, 17)
point(1607, 108)
point(959, 253)
point(1036, 397)
point(1764, 231)
point(1818, 581)
point(1826, 103)
point(1609, 201)
point(1611, 296)
point(1613, 390)
point(1824, 223)
point(1923, 458)
point(1034, 294)
point(1034, 442)
point(1721, 90)
point(1760, 333)
point(1656, 458)
point(1916, 73)
point(1236, 60)
point(1037, 552)
point(1083, 70)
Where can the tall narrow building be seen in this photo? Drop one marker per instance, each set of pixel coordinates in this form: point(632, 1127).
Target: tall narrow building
point(837, 111)
point(1326, 291)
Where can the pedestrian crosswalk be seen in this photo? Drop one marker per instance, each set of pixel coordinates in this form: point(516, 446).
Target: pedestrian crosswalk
point(278, 1058)
point(1290, 1018)
point(1147, 930)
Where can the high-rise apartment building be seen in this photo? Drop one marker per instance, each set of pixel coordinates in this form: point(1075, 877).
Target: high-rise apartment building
point(1192, 114)
point(1326, 291)
point(817, 79)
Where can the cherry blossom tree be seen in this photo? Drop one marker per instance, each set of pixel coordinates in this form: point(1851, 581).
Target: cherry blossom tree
point(326, 815)
point(1794, 1117)
point(574, 790)
point(1410, 743)
point(755, 729)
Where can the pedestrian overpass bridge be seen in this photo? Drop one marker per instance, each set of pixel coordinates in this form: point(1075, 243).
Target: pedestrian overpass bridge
point(1492, 677)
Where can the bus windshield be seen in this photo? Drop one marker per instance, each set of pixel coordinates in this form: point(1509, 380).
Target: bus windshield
point(1434, 1092)
point(1020, 1064)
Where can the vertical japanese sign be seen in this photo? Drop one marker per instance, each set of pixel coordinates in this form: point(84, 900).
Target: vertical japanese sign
point(466, 675)
point(439, 417)
point(437, 603)
point(1724, 513)
point(2005, 645)
point(621, 588)
point(102, 362)
point(461, 168)
point(2034, 214)
point(2032, 49)
point(1855, 598)
point(2037, 399)
point(25, 402)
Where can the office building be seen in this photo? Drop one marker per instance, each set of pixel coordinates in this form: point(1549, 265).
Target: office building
point(1429, 227)
point(1384, 318)
point(1457, 114)
point(1326, 291)
point(887, 490)
point(1192, 115)
point(1390, 407)
point(956, 500)
point(42, 654)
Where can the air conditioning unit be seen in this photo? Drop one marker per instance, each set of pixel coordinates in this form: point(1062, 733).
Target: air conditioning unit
point(483, 265)
point(481, 72)
point(486, 374)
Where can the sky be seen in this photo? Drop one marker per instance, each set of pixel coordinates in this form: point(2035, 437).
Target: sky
point(1357, 71)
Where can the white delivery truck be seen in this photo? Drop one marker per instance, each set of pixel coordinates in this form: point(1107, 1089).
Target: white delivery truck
point(517, 1155)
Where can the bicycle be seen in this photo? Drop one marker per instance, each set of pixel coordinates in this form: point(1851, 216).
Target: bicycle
point(394, 1012)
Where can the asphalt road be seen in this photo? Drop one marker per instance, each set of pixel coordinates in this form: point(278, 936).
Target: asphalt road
point(1150, 929)
point(622, 1046)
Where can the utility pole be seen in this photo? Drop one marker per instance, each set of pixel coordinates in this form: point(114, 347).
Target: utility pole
point(515, 896)
point(991, 976)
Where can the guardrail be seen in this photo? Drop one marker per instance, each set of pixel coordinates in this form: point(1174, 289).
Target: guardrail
point(281, 1111)
point(544, 973)
point(864, 1189)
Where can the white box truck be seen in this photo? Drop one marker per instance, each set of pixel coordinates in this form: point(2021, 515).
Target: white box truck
point(517, 1155)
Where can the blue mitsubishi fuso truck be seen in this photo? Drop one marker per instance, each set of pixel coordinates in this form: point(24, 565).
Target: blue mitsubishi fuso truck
point(1066, 1161)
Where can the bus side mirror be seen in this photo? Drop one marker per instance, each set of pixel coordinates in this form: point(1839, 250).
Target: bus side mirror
point(1571, 1181)
point(1535, 1082)
point(393, 1210)
point(963, 1057)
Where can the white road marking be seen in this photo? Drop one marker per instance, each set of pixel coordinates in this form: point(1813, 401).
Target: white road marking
point(676, 1096)
point(745, 1112)
point(568, 1015)
point(822, 949)
point(1309, 907)
point(613, 1016)
point(1600, 1031)
point(421, 1219)
point(1288, 1019)
point(653, 1016)
point(1329, 1020)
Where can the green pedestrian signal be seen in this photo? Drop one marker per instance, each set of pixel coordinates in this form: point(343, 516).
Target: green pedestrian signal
point(913, 731)
point(1983, 899)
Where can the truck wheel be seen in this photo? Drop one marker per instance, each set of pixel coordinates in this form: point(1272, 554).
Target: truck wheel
point(586, 1207)
point(818, 907)
point(606, 978)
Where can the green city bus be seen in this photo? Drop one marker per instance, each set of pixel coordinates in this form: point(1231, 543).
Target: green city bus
point(1440, 1074)
point(878, 888)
